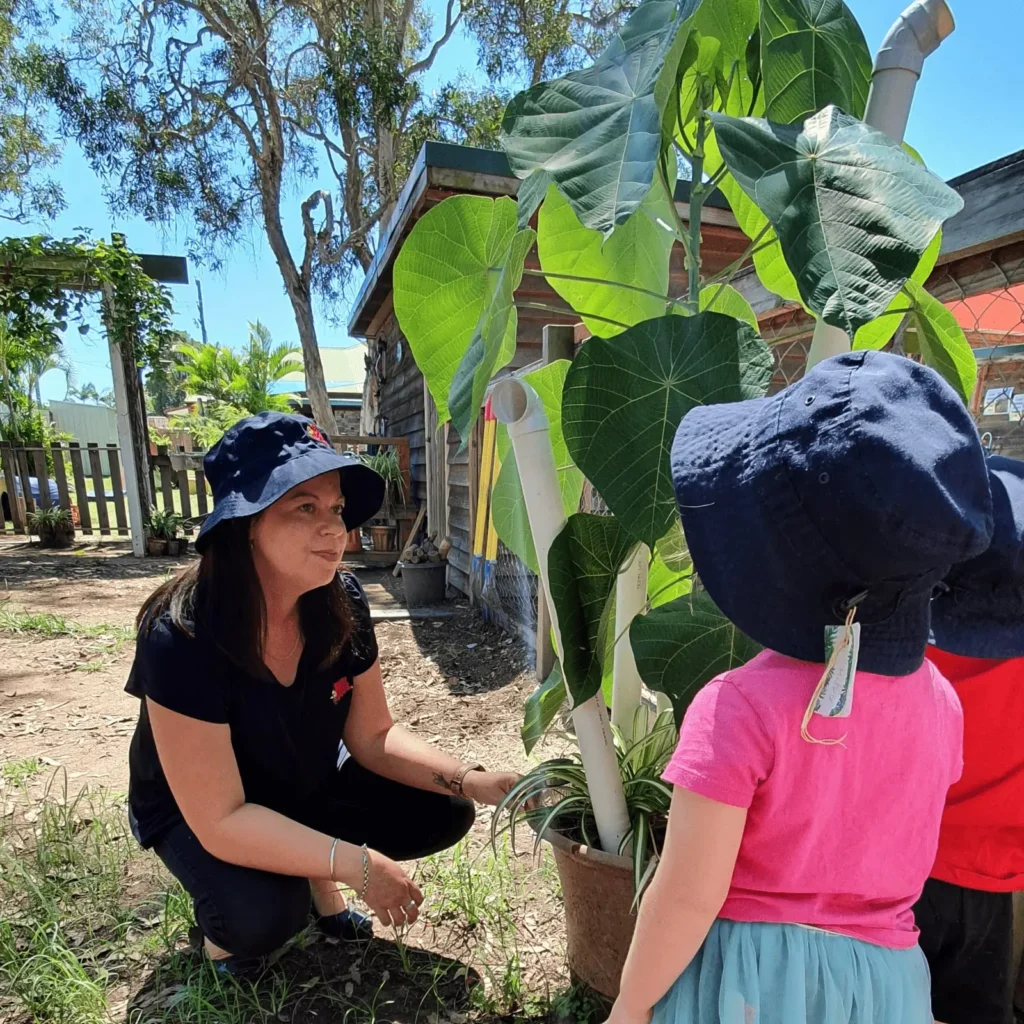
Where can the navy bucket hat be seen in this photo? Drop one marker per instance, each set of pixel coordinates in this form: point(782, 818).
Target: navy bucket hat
point(262, 457)
point(858, 486)
point(979, 611)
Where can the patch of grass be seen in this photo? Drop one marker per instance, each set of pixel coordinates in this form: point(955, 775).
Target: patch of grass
point(47, 626)
point(19, 772)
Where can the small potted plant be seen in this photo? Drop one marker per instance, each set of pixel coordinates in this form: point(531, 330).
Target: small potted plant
point(156, 541)
point(53, 526)
point(383, 527)
point(173, 533)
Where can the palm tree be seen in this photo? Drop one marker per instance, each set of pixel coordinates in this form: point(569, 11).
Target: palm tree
point(243, 380)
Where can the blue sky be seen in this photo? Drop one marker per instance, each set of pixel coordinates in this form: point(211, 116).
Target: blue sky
point(966, 113)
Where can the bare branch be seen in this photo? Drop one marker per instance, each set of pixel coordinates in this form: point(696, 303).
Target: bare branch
point(449, 28)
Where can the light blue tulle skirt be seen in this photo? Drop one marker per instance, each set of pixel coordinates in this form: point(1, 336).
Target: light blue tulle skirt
point(785, 974)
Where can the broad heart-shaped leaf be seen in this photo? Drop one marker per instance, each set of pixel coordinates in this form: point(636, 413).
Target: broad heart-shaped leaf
point(624, 398)
point(769, 263)
point(942, 342)
point(508, 508)
point(724, 299)
point(598, 132)
point(854, 213)
point(583, 564)
point(635, 256)
point(542, 706)
point(453, 284)
point(683, 645)
point(813, 55)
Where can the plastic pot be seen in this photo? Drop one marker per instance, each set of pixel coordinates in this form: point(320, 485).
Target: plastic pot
point(383, 537)
point(597, 889)
point(425, 583)
point(173, 548)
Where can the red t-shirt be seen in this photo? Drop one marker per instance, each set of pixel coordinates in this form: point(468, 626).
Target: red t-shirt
point(981, 841)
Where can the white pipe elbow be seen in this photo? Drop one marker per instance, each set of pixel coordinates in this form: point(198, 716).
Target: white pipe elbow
point(519, 407)
point(916, 33)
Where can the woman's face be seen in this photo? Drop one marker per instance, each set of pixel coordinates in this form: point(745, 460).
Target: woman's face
point(301, 537)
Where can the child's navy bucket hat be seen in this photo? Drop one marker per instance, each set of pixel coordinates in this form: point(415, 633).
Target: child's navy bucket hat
point(858, 486)
point(979, 611)
point(262, 457)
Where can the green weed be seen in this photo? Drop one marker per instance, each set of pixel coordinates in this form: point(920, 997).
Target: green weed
point(19, 772)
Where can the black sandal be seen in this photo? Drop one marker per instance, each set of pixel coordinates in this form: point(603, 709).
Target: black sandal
point(348, 926)
point(233, 966)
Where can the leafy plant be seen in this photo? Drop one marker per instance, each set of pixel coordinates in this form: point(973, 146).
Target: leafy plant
point(163, 523)
point(761, 100)
point(385, 464)
point(50, 518)
point(555, 795)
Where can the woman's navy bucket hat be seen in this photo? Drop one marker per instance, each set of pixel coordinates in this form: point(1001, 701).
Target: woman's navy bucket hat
point(858, 486)
point(262, 457)
point(979, 611)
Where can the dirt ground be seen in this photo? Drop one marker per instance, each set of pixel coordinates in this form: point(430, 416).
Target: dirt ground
point(456, 681)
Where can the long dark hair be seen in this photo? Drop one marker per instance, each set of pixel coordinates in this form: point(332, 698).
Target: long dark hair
point(224, 597)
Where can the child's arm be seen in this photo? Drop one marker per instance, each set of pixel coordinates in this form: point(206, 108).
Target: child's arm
point(684, 899)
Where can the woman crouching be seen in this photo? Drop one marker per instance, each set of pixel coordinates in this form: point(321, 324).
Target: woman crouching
point(265, 768)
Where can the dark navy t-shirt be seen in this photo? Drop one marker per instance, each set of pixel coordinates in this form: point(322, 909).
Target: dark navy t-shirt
point(286, 739)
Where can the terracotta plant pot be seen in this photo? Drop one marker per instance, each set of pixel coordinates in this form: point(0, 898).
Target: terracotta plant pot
point(354, 541)
point(383, 538)
point(156, 546)
point(597, 890)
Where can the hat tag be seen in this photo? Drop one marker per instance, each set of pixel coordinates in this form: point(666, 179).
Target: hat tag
point(833, 696)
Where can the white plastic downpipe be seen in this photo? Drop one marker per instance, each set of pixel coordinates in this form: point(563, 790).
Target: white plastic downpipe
point(916, 33)
point(517, 405)
point(630, 601)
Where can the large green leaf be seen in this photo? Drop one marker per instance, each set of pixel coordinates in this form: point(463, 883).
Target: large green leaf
point(453, 285)
point(941, 341)
point(813, 55)
point(508, 508)
point(583, 564)
point(542, 706)
point(724, 299)
point(634, 261)
point(624, 398)
point(598, 132)
point(683, 645)
point(716, 53)
point(854, 213)
point(880, 332)
point(666, 582)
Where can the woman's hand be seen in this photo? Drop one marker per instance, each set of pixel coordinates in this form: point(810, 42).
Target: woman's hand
point(391, 894)
point(488, 787)
point(623, 1015)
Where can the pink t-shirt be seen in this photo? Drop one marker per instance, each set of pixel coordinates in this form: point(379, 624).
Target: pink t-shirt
point(837, 837)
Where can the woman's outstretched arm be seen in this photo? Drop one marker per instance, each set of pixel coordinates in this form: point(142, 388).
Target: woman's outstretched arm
point(684, 898)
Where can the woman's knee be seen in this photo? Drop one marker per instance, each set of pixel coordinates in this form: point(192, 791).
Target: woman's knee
point(257, 915)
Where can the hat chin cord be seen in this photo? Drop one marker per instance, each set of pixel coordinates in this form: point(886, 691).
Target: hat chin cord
point(838, 649)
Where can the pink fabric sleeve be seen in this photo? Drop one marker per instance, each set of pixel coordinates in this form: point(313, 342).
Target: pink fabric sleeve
point(724, 750)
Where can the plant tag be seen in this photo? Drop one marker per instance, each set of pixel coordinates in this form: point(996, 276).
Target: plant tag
point(836, 700)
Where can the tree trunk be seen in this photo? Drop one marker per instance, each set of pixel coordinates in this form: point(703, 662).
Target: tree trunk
point(301, 298)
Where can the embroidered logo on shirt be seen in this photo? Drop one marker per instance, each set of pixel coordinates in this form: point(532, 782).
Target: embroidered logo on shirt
point(313, 431)
point(340, 688)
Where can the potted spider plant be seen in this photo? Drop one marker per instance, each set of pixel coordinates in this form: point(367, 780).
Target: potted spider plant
point(842, 220)
point(53, 526)
point(173, 533)
point(383, 527)
point(159, 523)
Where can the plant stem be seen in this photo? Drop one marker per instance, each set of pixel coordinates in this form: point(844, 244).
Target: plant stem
point(562, 311)
point(667, 299)
point(698, 190)
point(727, 272)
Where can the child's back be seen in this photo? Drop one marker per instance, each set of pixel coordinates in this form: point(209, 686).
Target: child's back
point(839, 836)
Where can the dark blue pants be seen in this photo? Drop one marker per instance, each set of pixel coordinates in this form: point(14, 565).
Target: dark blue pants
point(251, 913)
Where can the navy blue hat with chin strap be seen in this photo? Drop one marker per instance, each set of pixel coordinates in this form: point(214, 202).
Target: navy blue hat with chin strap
point(979, 609)
point(262, 457)
point(858, 486)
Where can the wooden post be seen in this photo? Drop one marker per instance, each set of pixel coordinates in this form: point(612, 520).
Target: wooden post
point(10, 468)
point(101, 492)
point(132, 434)
point(42, 477)
point(117, 486)
point(557, 343)
point(81, 491)
point(61, 476)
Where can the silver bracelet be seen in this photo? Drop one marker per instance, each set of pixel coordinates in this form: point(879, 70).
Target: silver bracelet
point(334, 846)
point(366, 871)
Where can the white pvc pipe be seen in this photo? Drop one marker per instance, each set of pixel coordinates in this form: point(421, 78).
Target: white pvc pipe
point(630, 601)
point(517, 405)
point(915, 34)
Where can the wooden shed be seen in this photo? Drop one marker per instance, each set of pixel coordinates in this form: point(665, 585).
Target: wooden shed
point(396, 401)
